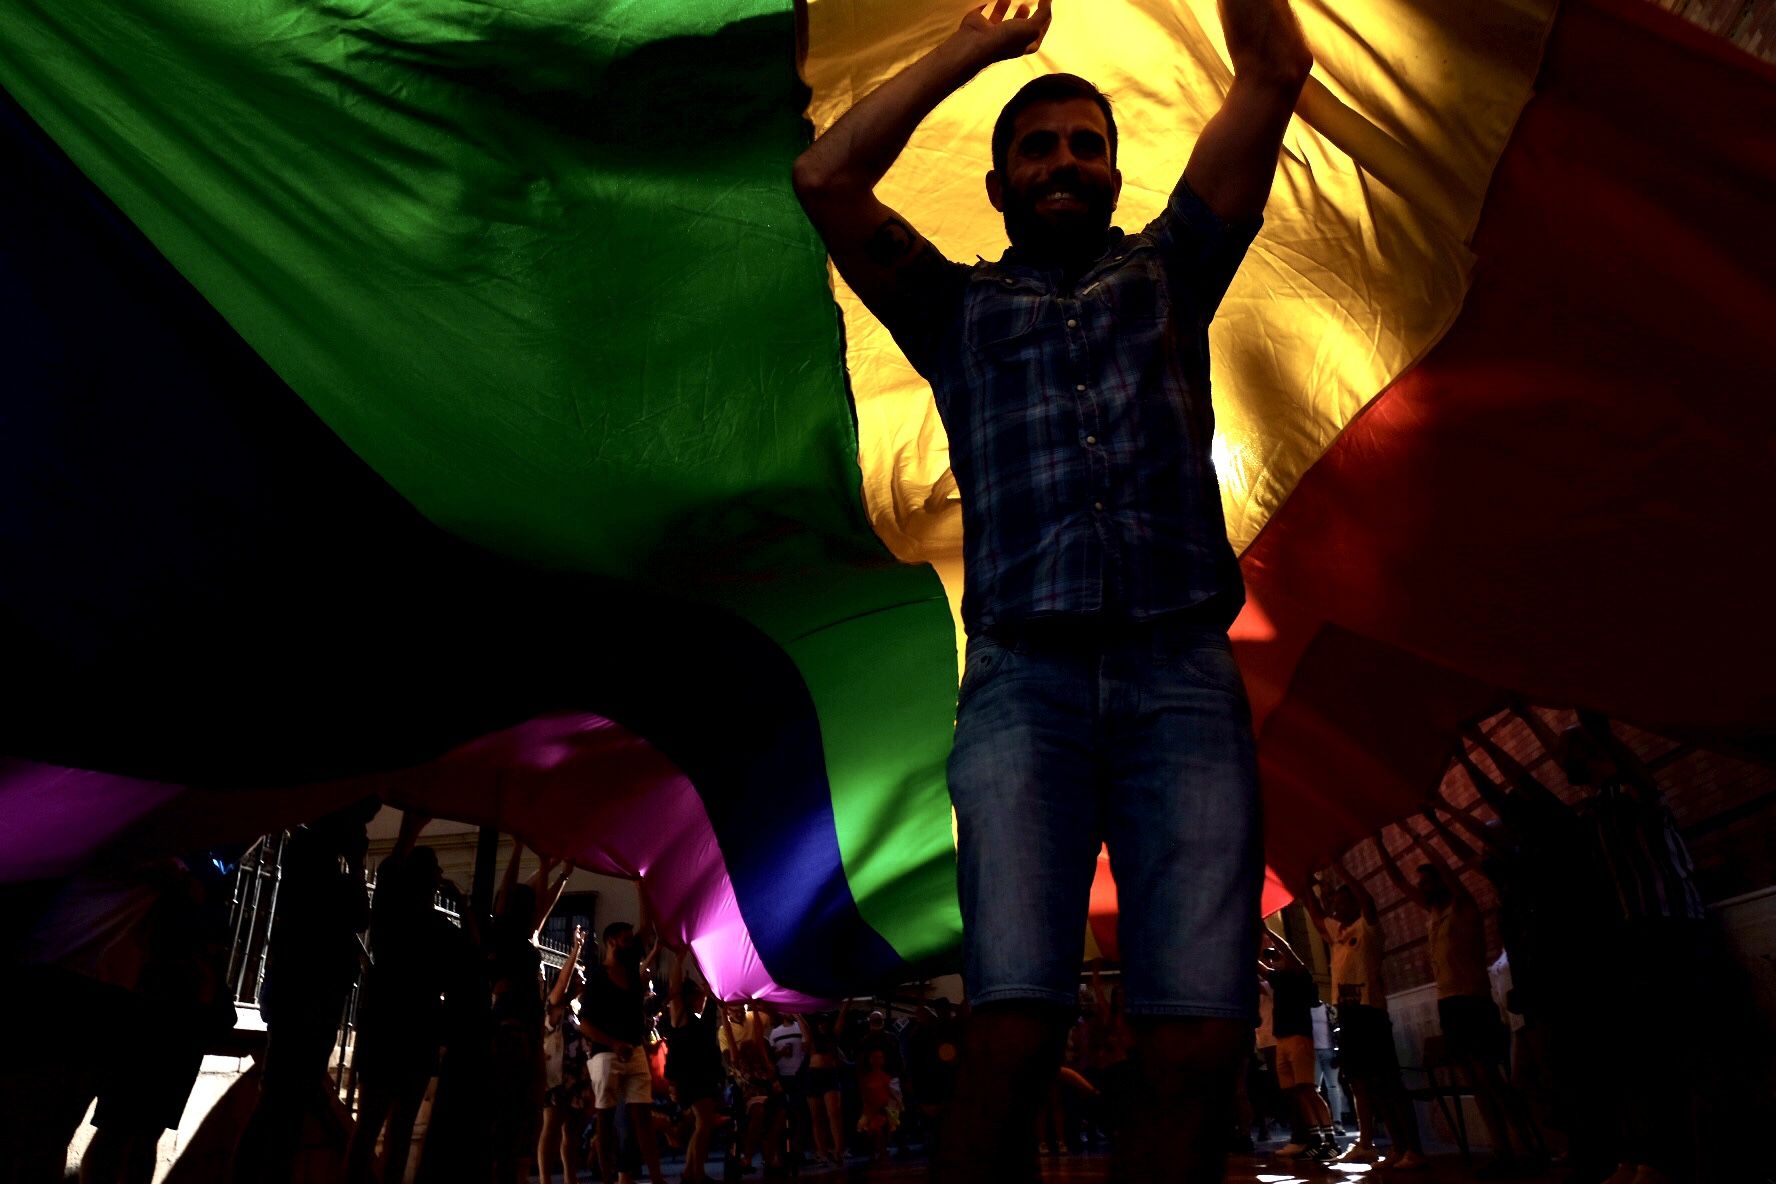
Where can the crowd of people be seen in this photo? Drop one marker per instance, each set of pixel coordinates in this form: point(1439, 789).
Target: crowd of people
point(612, 1055)
point(1599, 919)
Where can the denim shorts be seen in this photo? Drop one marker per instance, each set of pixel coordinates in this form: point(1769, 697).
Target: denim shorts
point(1070, 735)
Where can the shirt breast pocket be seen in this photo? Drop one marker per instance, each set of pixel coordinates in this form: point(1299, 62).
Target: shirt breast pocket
point(1004, 322)
point(1138, 304)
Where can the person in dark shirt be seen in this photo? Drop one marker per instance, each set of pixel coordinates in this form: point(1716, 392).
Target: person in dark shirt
point(1072, 375)
point(694, 1061)
point(824, 1092)
point(613, 1019)
point(401, 1013)
point(1294, 997)
point(313, 961)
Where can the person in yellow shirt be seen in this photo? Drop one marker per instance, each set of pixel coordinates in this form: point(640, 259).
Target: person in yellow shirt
point(1352, 928)
point(1474, 1038)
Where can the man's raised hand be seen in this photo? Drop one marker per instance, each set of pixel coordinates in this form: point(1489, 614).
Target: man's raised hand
point(1001, 31)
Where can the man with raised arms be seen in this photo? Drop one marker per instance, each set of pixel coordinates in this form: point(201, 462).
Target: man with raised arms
point(1100, 701)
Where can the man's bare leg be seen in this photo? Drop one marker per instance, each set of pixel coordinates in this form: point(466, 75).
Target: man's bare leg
point(641, 1118)
point(1010, 1056)
point(1183, 1108)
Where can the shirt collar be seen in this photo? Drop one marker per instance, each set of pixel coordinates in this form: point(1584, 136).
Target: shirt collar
point(1014, 259)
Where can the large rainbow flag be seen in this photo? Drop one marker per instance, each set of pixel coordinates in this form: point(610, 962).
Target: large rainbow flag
point(448, 400)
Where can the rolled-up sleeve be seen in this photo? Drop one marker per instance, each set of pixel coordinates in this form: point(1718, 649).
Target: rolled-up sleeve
point(1202, 251)
point(925, 312)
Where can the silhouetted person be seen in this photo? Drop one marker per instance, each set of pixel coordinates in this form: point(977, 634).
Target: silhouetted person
point(1352, 928)
point(614, 1021)
point(1474, 1038)
point(1294, 997)
point(400, 1016)
point(313, 961)
point(1101, 703)
point(694, 1061)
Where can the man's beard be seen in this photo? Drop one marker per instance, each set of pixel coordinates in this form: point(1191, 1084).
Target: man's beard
point(1072, 238)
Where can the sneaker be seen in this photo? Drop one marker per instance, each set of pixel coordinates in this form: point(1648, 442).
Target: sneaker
point(1292, 1150)
point(1361, 1153)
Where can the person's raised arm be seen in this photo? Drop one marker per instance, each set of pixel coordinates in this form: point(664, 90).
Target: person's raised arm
point(645, 930)
point(1235, 157)
point(1290, 958)
point(1533, 720)
point(1316, 909)
point(886, 261)
point(1521, 779)
point(558, 993)
point(1365, 901)
point(412, 822)
point(509, 881)
point(547, 900)
point(1455, 842)
point(1407, 888)
point(1449, 874)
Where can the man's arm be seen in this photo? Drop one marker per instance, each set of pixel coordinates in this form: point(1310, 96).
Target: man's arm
point(1365, 901)
point(598, 1035)
point(1455, 842)
point(1533, 720)
point(1450, 876)
point(1316, 911)
point(1522, 780)
point(412, 822)
point(1235, 158)
point(558, 993)
point(1406, 887)
point(1291, 959)
point(878, 252)
point(646, 931)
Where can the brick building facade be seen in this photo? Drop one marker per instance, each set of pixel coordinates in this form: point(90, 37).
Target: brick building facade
point(1725, 808)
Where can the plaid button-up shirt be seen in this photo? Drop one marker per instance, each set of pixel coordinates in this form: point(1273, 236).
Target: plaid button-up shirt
point(1080, 423)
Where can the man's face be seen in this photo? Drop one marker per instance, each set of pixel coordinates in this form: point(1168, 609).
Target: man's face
point(1344, 906)
point(1058, 188)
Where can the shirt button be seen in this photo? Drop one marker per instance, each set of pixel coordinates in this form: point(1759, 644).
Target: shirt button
point(1097, 505)
point(1079, 386)
point(1072, 323)
point(1091, 439)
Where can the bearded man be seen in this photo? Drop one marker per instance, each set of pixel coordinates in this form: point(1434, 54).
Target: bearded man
point(1099, 701)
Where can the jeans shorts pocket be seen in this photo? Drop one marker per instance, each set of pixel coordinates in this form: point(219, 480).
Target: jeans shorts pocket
point(1212, 665)
point(986, 658)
